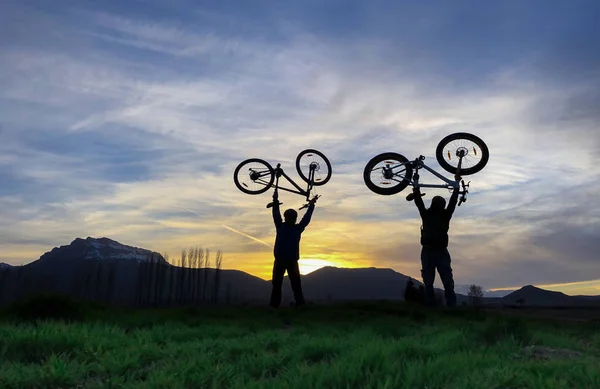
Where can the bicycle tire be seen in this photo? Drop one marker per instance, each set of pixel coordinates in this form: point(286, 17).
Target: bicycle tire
point(320, 154)
point(248, 191)
point(391, 190)
point(485, 155)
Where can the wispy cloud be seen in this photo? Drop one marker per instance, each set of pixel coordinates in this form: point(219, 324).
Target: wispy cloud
point(247, 236)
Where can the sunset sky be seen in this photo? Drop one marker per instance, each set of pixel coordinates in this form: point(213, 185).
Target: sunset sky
point(126, 119)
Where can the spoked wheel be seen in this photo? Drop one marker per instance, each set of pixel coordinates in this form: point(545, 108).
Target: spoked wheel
point(388, 173)
point(254, 176)
point(474, 150)
point(316, 159)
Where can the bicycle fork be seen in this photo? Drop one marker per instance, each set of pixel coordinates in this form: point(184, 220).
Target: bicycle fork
point(277, 175)
point(311, 177)
point(463, 197)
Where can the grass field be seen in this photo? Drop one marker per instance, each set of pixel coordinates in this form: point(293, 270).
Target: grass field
point(359, 345)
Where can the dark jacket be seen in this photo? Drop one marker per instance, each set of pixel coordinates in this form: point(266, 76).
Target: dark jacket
point(287, 241)
point(436, 222)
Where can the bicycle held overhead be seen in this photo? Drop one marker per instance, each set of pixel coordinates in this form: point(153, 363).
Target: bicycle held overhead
point(255, 176)
point(460, 153)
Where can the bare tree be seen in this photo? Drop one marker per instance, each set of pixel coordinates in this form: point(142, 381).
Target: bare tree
point(475, 294)
point(155, 265)
point(181, 277)
point(156, 290)
point(199, 275)
point(219, 261)
point(166, 267)
point(87, 285)
point(205, 281)
point(193, 264)
point(3, 276)
point(110, 284)
point(173, 276)
point(98, 280)
point(228, 294)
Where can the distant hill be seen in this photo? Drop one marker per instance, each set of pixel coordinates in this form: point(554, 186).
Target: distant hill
point(533, 296)
point(334, 283)
point(102, 249)
point(104, 269)
point(594, 298)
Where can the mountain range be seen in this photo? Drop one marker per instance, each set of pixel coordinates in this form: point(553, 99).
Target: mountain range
point(101, 268)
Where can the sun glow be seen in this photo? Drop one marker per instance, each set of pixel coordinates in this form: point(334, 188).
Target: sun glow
point(308, 265)
point(311, 264)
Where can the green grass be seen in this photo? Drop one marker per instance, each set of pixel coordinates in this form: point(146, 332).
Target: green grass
point(361, 345)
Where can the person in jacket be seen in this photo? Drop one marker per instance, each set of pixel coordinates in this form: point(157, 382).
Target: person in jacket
point(434, 242)
point(287, 250)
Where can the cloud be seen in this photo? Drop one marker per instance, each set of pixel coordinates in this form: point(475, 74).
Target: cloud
point(115, 117)
point(247, 236)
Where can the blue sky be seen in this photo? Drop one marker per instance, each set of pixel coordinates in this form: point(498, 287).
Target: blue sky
point(127, 119)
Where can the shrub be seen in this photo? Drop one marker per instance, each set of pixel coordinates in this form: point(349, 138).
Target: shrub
point(48, 307)
point(475, 294)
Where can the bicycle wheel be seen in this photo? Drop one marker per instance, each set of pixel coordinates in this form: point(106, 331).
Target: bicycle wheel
point(254, 176)
point(388, 173)
point(476, 153)
point(311, 157)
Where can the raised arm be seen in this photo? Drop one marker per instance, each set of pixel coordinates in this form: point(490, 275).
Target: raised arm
point(306, 218)
point(453, 198)
point(419, 201)
point(276, 212)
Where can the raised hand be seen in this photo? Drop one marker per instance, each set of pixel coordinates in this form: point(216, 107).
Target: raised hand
point(310, 202)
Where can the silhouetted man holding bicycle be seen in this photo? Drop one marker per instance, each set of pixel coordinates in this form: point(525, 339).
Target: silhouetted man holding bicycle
point(287, 250)
point(434, 241)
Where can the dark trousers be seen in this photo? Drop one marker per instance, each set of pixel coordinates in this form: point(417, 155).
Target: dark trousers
point(279, 268)
point(432, 259)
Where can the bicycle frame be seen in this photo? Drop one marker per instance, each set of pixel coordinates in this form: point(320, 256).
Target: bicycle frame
point(279, 173)
point(309, 185)
point(419, 164)
point(416, 165)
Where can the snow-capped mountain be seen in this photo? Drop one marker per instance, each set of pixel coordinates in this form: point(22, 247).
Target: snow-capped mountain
point(101, 249)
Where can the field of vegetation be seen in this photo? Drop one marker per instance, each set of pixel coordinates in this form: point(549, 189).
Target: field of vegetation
point(56, 343)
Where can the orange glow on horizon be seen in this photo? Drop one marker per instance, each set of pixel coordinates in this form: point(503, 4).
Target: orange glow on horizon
point(591, 287)
point(260, 264)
